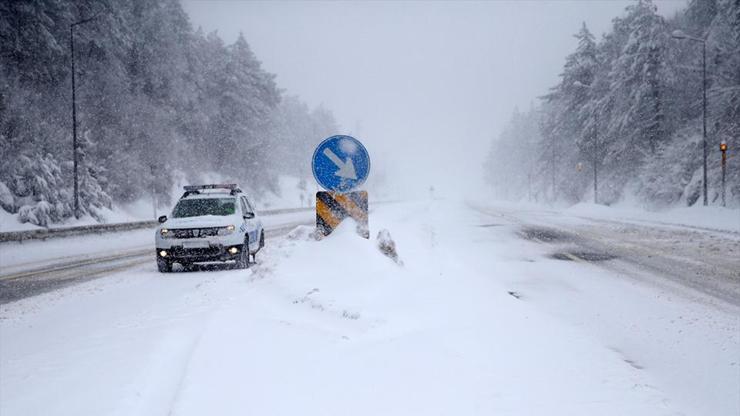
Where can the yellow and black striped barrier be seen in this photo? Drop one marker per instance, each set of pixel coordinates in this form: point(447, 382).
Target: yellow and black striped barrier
point(332, 208)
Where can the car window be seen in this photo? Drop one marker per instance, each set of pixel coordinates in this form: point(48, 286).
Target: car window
point(249, 205)
point(245, 210)
point(206, 206)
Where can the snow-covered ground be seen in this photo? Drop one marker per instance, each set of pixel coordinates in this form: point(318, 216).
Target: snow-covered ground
point(476, 321)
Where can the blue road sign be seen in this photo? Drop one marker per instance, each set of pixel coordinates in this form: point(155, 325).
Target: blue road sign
point(340, 163)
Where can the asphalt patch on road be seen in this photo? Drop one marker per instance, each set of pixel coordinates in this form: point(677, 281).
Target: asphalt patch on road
point(489, 225)
point(546, 235)
point(588, 256)
point(17, 289)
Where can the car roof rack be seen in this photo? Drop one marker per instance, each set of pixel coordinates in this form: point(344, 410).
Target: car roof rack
point(195, 189)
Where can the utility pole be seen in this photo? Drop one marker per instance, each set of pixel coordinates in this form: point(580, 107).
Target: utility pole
point(679, 34)
point(552, 172)
point(595, 158)
point(723, 149)
point(704, 114)
point(595, 145)
point(74, 123)
point(75, 157)
point(154, 191)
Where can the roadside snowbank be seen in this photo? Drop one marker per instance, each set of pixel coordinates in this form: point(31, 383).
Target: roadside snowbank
point(712, 217)
point(716, 218)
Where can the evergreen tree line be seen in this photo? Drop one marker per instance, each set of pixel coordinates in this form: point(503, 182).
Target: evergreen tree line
point(155, 98)
point(630, 105)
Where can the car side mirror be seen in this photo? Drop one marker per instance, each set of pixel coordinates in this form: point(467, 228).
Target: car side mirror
point(162, 219)
point(249, 215)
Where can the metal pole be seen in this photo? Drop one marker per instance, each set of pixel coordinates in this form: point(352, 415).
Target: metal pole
point(704, 116)
point(154, 192)
point(679, 34)
point(595, 161)
point(75, 152)
point(552, 172)
point(724, 167)
point(74, 125)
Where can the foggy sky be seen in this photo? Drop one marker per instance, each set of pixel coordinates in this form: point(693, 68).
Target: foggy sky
point(425, 85)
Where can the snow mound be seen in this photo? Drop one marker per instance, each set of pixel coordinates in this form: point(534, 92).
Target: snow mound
point(337, 325)
point(302, 233)
point(387, 246)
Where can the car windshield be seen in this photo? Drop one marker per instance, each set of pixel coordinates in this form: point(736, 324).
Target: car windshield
point(205, 206)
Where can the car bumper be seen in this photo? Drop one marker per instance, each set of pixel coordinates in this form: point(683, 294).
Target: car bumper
point(182, 254)
point(224, 240)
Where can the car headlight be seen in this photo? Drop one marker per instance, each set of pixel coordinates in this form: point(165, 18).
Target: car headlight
point(229, 229)
point(165, 233)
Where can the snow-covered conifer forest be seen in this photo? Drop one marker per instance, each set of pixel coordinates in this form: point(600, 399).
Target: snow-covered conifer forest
point(154, 95)
point(630, 103)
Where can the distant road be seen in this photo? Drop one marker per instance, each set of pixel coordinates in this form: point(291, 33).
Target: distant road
point(705, 260)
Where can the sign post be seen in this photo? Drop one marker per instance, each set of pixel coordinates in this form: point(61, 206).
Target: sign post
point(340, 164)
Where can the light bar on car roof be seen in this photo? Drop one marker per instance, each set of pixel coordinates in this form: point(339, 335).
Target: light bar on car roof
point(229, 186)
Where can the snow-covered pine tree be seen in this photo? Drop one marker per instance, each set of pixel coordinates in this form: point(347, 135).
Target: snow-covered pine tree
point(568, 138)
point(723, 44)
point(644, 103)
point(247, 101)
point(38, 185)
point(511, 166)
point(635, 126)
point(91, 175)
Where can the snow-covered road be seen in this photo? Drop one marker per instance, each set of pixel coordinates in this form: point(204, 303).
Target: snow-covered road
point(481, 318)
point(37, 266)
point(705, 260)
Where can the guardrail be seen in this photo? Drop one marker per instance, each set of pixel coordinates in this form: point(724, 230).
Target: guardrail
point(44, 233)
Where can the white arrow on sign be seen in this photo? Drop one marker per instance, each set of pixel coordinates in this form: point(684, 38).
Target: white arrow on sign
point(346, 169)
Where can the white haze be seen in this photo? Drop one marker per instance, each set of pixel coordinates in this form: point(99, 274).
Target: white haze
point(425, 85)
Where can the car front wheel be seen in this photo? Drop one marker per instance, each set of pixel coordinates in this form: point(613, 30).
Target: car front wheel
point(242, 262)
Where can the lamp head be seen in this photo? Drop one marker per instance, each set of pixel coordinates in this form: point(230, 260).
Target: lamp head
point(679, 34)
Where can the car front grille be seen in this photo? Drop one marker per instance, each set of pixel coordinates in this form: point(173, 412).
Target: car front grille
point(194, 232)
point(197, 252)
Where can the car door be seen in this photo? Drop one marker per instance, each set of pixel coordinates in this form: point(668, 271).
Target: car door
point(252, 224)
point(257, 221)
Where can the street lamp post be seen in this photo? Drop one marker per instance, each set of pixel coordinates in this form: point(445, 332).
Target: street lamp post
point(679, 34)
point(595, 158)
point(723, 149)
point(595, 147)
point(154, 191)
point(74, 115)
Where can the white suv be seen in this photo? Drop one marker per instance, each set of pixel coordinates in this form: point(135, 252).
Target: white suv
point(209, 223)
